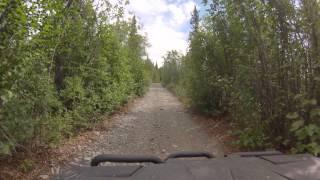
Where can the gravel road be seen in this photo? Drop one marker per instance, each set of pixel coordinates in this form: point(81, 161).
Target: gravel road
point(157, 124)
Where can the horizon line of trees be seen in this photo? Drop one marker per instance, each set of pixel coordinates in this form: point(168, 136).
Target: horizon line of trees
point(258, 62)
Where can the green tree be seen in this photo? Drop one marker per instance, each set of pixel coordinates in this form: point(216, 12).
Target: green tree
point(257, 62)
point(62, 65)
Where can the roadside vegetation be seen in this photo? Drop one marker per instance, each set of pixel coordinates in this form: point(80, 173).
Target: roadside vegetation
point(258, 62)
point(62, 64)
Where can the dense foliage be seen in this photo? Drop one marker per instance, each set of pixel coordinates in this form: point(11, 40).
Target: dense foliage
point(259, 62)
point(62, 63)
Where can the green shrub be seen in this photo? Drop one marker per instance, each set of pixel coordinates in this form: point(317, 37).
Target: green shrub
point(252, 138)
point(61, 67)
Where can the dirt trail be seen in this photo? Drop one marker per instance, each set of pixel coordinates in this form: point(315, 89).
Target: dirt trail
point(156, 124)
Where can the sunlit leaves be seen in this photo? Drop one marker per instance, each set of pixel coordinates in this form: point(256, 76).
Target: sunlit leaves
point(258, 62)
point(62, 64)
point(296, 125)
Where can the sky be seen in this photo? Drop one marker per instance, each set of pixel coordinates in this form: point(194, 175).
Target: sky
point(166, 24)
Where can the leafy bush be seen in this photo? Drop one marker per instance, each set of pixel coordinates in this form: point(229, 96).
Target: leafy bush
point(252, 139)
point(308, 138)
point(258, 62)
point(62, 64)
point(305, 125)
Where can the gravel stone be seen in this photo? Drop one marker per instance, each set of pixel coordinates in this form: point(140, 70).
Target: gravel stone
point(157, 124)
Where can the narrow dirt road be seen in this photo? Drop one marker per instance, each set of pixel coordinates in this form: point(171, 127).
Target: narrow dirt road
point(156, 124)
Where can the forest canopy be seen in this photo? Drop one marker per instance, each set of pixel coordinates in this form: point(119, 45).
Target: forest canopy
point(258, 63)
point(62, 63)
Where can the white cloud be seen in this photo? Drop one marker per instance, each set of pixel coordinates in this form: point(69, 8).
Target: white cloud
point(146, 7)
point(165, 24)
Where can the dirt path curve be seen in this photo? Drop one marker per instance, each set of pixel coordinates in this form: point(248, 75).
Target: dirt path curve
point(156, 124)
